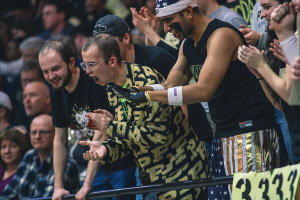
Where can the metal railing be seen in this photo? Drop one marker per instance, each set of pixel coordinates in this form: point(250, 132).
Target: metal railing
point(152, 188)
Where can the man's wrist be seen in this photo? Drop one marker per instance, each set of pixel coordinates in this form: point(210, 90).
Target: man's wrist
point(157, 87)
point(87, 183)
point(148, 97)
point(152, 35)
point(58, 187)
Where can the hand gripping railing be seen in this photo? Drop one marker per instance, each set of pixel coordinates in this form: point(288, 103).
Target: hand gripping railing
point(152, 188)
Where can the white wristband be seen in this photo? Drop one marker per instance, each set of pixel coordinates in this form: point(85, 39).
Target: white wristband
point(175, 96)
point(157, 87)
point(290, 48)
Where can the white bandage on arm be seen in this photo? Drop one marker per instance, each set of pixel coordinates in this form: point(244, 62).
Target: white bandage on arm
point(290, 48)
point(157, 87)
point(175, 96)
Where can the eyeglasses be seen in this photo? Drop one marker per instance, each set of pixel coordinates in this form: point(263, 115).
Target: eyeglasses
point(41, 132)
point(90, 65)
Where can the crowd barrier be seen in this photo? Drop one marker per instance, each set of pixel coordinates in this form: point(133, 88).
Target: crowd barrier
point(152, 188)
point(278, 184)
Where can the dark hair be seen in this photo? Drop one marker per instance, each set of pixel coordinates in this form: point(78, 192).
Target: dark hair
point(18, 138)
point(31, 65)
point(61, 6)
point(23, 24)
point(107, 45)
point(64, 50)
point(274, 62)
point(283, 1)
point(120, 38)
point(195, 10)
point(83, 29)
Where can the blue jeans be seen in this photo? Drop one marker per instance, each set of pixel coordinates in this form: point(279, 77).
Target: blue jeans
point(138, 183)
point(149, 196)
point(280, 120)
point(114, 180)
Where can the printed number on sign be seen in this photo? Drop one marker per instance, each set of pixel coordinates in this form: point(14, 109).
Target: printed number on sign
point(281, 184)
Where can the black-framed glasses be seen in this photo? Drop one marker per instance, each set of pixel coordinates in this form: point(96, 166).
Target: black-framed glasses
point(90, 65)
point(42, 132)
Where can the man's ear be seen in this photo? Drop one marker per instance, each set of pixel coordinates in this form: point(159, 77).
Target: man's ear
point(113, 61)
point(48, 101)
point(62, 16)
point(189, 11)
point(127, 38)
point(72, 63)
point(2, 111)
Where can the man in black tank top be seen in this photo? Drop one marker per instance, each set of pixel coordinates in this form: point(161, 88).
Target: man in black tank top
point(244, 118)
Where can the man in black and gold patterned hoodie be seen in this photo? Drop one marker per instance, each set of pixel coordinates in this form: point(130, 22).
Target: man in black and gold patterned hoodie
point(166, 149)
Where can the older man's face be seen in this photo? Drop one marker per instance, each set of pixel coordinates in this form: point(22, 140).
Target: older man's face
point(42, 133)
point(35, 99)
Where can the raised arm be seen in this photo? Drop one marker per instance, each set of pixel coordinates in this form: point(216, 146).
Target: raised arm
point(147, 23)
point(252, 37)
point(282, 21)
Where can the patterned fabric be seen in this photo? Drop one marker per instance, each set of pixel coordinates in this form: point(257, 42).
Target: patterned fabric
point(112, 25)
point(169, 7)
point(34, 179)
point(165, 148)
point(249, 152)
point(6, 181)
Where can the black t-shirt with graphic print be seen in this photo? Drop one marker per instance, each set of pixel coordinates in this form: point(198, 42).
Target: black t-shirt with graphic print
point(71, 108)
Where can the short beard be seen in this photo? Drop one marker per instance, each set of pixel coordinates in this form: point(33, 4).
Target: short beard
point(176, 26)
point(65, 81)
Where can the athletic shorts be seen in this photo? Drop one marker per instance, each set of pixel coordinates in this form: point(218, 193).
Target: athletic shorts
point(256, 151)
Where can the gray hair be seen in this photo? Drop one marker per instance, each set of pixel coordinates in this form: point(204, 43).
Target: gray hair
point(35, 43)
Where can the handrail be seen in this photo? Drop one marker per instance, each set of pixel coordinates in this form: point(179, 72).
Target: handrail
point(152, 188)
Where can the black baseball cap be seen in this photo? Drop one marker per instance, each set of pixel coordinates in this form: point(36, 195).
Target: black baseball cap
point(112, 25)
